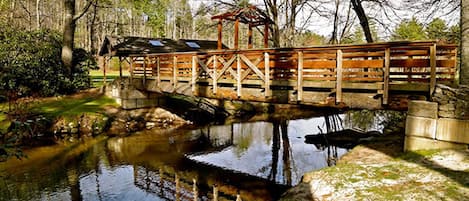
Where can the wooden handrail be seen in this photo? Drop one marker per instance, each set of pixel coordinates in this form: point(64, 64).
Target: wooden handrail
point(383, 64)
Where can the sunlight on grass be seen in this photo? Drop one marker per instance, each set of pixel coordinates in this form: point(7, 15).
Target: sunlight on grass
point(108, 73)
point(69, 107)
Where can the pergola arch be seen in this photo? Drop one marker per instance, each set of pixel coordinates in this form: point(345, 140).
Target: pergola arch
point(252, 16)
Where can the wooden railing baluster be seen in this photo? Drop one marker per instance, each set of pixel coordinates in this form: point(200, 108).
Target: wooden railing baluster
point(144, 71)
point(267, 91)
point(214, 75)
point(175, 72)
point(432, 68)
point(339, 75)
point(194, 74)
point(300, 77)
point(387, 63)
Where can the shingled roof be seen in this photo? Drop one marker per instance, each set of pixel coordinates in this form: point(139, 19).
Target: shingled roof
point(125, 46)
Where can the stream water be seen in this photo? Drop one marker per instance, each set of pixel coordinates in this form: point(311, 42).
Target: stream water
point(252, 160)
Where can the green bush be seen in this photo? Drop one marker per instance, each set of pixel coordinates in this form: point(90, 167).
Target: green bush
point(30, 64)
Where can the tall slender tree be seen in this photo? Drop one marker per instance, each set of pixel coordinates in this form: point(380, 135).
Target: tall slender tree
point(70, 21)
point(358, 8)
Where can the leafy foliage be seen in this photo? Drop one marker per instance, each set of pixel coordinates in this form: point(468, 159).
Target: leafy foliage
point(30, 64)
point(437, 29)
point(409, 30)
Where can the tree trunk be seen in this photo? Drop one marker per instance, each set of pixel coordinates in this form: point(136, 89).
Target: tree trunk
point(464, 71)
point(272, 9)
point(92, 30)
point(68, 35)
point(357, 6)
point(38, 14)
point(333, 39)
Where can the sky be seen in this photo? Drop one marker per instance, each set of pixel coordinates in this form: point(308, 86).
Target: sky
point(324, 26)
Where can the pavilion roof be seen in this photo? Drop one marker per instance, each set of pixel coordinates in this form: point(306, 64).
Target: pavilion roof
point(248, 15)
point(125, 46)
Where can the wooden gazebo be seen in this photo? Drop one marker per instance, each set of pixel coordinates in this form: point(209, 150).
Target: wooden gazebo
point(252, 16)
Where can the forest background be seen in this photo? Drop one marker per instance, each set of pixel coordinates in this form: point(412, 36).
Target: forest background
point(47, 47)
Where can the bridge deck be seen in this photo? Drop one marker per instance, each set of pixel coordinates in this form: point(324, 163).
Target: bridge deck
point(312, 75)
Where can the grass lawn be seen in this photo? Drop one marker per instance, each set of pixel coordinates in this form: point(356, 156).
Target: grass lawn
point(72, 106)
point(99, 73)
point(97, 76)
point(67, 107)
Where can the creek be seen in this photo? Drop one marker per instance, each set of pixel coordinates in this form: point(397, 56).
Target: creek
point(251, 160)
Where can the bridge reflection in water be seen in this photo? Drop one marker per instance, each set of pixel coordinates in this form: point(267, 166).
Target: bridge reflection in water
point(251, 161)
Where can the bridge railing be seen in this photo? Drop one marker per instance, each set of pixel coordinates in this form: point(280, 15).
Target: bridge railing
point(379, 67)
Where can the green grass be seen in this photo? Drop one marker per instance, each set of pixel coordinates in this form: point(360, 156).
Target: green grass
point(97, 77)
point(69, 107)
point(108, 73)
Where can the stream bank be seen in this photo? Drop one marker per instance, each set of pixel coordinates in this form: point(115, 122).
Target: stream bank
point(380, 170)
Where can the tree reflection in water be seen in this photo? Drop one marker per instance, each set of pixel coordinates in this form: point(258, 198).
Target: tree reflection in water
point(256, 160)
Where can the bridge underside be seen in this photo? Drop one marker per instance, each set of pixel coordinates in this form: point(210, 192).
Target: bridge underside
point(357, 76)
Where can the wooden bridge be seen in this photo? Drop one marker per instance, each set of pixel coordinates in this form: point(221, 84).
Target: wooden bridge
point(354, 75)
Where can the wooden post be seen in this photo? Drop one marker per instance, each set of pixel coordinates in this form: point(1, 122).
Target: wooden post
point(220, 26)
point(131, 70)
point(266, 35)
point(214, 73)
point(267, 92)
point(300, 77)
point(120, 67)
point(339, 69)
point(455, 70)
point(250, 37)
point(144, 71)
point(158, 77)
point(175, 63)
point(433, 68)
point(238, 76)
point(194, 73)
point(387, 65)
point(104, 71)
point(236, 34)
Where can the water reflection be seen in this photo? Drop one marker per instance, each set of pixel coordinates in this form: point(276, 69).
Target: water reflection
point(251, 161)
point(271, 150)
